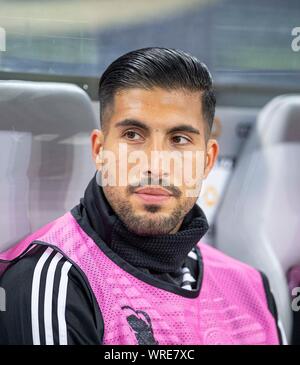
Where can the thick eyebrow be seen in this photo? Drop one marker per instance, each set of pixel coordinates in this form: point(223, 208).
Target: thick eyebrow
point(142, 125)
point(133, 123)
point(183, 128)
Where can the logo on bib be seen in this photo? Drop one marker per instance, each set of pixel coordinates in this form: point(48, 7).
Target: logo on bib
point(140, 324)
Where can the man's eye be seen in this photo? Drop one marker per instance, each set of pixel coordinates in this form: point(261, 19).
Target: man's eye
point(132, 135)
point(180, 140)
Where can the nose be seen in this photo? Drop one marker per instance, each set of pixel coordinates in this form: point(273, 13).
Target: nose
point(156, 170)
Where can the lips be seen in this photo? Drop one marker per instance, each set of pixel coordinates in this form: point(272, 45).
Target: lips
point(153, 195)
point(153, 191)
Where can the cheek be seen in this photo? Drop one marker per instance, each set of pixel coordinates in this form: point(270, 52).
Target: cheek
point(189, 171)
point(116, 196)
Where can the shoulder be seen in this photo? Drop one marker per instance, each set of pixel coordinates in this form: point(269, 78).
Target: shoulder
point(215, 258)
point(240, 277)
point(22, 269)
point(48, 301)
point(29, 267)
point(248, 283)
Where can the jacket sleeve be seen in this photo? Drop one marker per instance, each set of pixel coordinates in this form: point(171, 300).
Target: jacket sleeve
point(48, 301)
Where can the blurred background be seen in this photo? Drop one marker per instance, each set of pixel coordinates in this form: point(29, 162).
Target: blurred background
point(80, 38)
point(246, 45)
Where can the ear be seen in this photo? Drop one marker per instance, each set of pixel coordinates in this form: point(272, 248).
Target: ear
point(212, 151)
point(97, 141)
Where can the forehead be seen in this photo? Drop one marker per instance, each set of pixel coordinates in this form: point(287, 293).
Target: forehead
point(158, 106)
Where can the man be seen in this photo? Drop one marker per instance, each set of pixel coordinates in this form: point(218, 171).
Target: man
point(125, 265)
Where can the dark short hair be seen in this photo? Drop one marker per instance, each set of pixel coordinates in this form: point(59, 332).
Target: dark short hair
point(158, 67)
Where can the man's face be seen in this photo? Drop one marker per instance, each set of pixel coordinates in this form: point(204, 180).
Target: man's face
point(150, 195)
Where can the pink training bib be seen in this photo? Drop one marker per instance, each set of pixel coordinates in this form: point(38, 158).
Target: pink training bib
point(231, 307)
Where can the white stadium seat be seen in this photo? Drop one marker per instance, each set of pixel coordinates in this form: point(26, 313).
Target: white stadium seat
point(45, 154)
point(259, 218)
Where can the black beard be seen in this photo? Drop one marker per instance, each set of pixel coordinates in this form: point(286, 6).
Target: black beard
point(149, 226)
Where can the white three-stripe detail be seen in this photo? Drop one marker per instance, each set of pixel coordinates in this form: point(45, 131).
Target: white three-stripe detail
point(187, 287)
point(61, 303)
point(48, 302)
point(193, 255)
point(188, 277)
point(35, 296)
